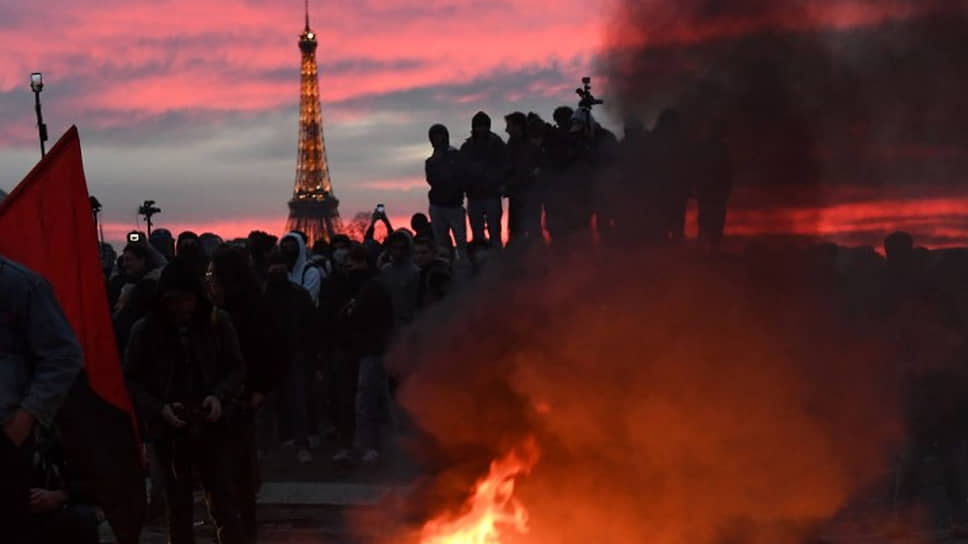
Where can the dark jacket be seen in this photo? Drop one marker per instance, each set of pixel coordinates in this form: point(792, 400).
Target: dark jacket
point(293, 313)
point(155, 358)
point(444, 177)
point(139, 303)
point(522, 165)
point(261, 341)
point(365, 324)
point(482, 164)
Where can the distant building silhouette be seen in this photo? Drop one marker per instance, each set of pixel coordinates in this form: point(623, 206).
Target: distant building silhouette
point(313, 208)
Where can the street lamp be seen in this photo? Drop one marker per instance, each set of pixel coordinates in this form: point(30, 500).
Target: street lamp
point(37, 85)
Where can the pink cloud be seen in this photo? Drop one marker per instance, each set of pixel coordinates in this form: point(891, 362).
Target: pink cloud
point(230, 55)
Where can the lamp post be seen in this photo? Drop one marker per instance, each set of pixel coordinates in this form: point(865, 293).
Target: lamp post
point(37, 85)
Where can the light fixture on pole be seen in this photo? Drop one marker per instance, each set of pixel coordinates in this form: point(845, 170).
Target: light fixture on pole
point(37, 85)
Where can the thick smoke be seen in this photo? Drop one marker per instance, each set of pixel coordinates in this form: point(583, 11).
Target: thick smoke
point(680, 401)
point(823, 101)
point(672, 401)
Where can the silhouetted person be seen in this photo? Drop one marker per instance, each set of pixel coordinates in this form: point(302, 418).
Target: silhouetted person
point(435, 272)
point(400, 276)
point(163, 243)
point(443, 171)
point(583, 151)
point(183, 367)
point(137, 294)
point(713, 183)
point(899, 249)
point(421, 225)
point(292, 310)
point(524, 208)
point(624, 201)
point(260, 244)
point(209, 242)
point(482, 160)
point(361, 329)
point(672, 172)
point(232, 286)
point(562, 117)
point(935, 378)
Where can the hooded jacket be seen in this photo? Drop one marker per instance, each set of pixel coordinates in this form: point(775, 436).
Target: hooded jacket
point(482, 164)
point(164, 365)
point(303, 273)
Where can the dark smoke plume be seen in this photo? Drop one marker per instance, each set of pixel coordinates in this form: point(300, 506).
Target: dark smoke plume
point(824, 101)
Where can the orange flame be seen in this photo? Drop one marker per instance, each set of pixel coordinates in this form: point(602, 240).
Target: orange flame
point(492, 510)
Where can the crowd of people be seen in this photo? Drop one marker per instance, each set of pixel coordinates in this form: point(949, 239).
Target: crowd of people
point(232, 348)
point(236, 346)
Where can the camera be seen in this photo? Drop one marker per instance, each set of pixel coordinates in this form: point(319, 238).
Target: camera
point(381, 209)
point(134, 237)
point(148, 208)
point(585, 93)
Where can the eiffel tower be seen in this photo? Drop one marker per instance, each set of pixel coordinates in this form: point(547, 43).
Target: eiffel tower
point(313, 208)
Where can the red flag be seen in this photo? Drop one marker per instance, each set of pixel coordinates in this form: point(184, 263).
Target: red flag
point(46, 224)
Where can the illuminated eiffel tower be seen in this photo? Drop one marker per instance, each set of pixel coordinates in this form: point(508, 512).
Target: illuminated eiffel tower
point(313, 208)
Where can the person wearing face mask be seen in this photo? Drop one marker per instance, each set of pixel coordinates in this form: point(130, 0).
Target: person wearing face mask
point(340, 246)
point(301, 272)
point(183, 365)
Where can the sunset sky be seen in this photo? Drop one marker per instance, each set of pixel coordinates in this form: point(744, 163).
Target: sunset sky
point(193, 103)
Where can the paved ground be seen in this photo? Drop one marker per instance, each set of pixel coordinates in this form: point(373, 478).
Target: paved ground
point(312, 503)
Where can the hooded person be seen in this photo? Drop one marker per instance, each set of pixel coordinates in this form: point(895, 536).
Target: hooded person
point(232, 286)
point(435, 272)
point(401, 277)
point(163, 242)
point(447, 214)
point(482, 166)
point(183, 366)
point(140, 273)
point(293, 311)
point(301, 271)
point(361, 332)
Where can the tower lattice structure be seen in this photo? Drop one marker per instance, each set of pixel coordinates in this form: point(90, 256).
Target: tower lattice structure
point(313, 208)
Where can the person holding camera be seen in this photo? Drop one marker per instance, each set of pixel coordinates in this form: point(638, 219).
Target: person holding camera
point(183, 365)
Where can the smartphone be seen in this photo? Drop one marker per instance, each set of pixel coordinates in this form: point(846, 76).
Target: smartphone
point(380, 208)
point(134, 237)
